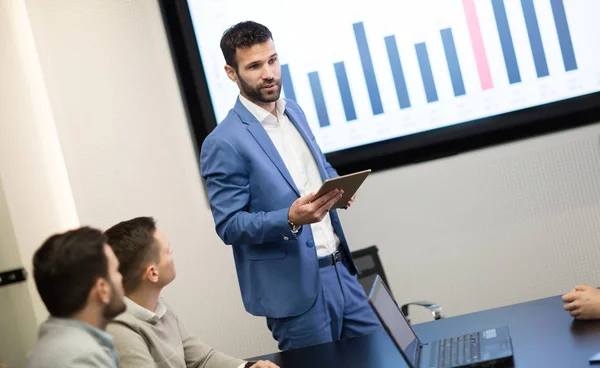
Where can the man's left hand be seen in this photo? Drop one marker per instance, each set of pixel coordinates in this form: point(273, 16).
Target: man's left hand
point(583, 302)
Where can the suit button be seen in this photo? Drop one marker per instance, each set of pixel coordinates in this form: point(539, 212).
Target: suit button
point(310, 243)
point(286, 238)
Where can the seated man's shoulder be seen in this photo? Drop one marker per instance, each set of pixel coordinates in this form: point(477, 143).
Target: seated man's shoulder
point(128, 323)
point(124, 324)
point(67, 346)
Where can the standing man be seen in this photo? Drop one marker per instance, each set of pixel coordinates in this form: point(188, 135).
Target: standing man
point(262, 167)
point(77, 276)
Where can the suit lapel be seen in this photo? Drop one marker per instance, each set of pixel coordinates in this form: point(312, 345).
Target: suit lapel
point(262, 138)
point(294, 118)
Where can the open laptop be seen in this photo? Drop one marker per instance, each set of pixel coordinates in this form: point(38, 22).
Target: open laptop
point(489, 348)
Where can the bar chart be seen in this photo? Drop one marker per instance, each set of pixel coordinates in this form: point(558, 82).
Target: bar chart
point(376, 76)
point(454, 69)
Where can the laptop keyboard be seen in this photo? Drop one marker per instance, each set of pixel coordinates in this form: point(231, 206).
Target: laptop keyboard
point(459, 351)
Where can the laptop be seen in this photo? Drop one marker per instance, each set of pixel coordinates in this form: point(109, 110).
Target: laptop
point(489, 348)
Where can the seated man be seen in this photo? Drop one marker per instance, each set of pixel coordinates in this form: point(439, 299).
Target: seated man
point(77, 276)
point(149, 334)
point(583, 302)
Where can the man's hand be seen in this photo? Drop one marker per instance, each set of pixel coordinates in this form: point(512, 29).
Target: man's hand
point(351, 201)
point(308, 210)
point(264, 364)
point(583, 302)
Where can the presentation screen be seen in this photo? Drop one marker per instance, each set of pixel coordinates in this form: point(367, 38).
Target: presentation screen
point(365, 72)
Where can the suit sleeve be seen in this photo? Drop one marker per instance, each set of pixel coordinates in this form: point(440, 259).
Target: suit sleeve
point(227, 185)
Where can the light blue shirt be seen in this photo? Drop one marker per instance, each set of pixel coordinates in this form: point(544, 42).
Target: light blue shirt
point(65, 342)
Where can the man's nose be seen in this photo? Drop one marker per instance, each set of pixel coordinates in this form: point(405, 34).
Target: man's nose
point(268, 72)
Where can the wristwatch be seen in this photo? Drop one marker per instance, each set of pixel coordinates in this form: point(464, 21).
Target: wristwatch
point(295, 228)
point(249, 364)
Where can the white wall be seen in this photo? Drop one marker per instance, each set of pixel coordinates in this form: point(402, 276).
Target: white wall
point(17, 318)
point(489, 228)
point(128, 151)
point(484, 229)
point(34, 188)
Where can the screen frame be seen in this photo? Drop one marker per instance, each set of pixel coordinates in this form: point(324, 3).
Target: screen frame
point(405, 150)
point(375, 291)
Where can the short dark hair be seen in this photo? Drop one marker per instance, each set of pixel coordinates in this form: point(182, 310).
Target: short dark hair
point(66, 267)
point(241, 35)
point(134, 245)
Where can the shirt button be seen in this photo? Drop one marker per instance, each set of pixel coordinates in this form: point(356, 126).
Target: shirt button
point(286, 238)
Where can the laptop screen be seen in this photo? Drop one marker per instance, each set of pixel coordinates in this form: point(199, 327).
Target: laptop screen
point(393, 319)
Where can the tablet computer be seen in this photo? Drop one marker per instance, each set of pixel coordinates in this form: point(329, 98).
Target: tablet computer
point(348, 183)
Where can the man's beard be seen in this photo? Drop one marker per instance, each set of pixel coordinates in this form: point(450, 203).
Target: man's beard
point(116, 305)
point(259, 94)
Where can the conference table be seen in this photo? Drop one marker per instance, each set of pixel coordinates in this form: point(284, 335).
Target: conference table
point(543, 335)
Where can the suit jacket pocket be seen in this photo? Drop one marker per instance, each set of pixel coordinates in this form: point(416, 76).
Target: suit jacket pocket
point(272, 250)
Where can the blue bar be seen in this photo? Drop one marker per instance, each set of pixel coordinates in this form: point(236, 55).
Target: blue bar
point(508, 49)
point(564, 35)
point(397, 72)
point(317, 91)
point(286, 81)
point(535, 38)
point(453, 64)
point(342, 78)
point(367, 65)
point(426, 73)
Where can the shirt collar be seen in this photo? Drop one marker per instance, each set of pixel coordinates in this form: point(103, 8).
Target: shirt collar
point(262, 115)
point(144, 314)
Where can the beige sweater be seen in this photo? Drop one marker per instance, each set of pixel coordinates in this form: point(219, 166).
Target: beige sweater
point(146, 339)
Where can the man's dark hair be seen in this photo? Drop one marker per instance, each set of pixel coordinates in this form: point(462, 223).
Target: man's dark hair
point(66, 267)
point(241, 35)
point(134, 245)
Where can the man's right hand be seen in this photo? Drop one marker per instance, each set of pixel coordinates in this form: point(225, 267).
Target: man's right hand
point(308, 210)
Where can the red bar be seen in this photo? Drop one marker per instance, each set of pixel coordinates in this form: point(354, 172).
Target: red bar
point(483, 68)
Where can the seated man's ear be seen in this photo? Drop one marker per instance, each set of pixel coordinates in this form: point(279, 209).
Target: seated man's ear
point(152, 273)
point(101, 291)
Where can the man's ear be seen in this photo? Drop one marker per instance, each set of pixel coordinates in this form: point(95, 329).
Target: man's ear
point(152, 273)
point(231, 73)
point(102, 290)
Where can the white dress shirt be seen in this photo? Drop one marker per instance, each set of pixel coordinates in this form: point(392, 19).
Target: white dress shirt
point(144, 314)
point(300, 163)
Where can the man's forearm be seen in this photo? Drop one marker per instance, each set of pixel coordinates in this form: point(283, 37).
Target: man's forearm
point(255, 228)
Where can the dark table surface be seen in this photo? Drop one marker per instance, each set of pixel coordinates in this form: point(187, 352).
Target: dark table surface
point(543, 335)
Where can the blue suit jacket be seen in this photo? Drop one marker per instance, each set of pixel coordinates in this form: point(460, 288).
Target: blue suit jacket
point(250, 192)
